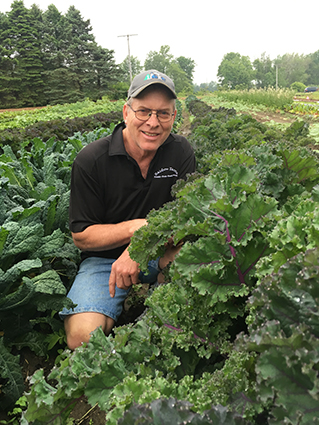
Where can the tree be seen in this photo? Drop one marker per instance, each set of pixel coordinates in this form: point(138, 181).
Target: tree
point(8, 80)
point(54, 40)
point(105, 72)
point(313, 69)
point(62, 87)
point(204, 87)
point(47, 57)
point(125, 69)
point(159, 60)
point(75, 66)
point(59, 79)
point(292, 67)
point(187, 65)
point(21, 41)
point(180, 78)
point(164, 61)
point(298, 87)
point(264, 72)
point(235, 71)
point(80, 45)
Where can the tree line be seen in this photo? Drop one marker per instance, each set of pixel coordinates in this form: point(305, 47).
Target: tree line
point(236, 71)
point(49, 58)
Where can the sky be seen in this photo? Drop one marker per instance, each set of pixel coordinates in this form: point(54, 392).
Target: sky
point(202, 30)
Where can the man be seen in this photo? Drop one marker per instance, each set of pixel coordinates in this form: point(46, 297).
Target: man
point(115, 182)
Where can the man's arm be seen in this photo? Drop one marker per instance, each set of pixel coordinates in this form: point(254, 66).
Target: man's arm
point(102, 237)
point(99, 237)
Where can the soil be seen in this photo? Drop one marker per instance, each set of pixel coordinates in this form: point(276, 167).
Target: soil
point(22, 109)
point(273, 116)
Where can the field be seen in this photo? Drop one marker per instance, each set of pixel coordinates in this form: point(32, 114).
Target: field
point(252, 207)
point(276, 114)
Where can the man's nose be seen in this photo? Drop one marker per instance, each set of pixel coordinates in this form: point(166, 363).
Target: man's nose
point(153, 119)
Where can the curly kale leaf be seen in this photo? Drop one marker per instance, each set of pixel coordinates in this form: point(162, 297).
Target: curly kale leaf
point(284, 329)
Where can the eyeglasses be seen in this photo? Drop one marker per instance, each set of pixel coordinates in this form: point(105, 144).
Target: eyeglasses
point(145, 114)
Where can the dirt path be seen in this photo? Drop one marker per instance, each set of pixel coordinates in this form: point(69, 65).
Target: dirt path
point(273, 116)
point(22, 109)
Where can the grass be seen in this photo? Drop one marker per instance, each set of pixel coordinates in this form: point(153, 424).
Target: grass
point(270, 98)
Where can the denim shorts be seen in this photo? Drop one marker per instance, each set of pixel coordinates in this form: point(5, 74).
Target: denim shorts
point(90, 289)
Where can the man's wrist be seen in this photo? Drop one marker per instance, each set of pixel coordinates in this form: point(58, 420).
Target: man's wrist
point(159, 266)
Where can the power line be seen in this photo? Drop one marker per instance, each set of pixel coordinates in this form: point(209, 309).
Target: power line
point(129, 54)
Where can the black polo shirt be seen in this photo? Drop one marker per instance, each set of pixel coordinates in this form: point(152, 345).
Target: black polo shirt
point(107, 186)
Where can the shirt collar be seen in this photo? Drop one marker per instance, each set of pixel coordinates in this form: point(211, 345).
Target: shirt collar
point(117, 143)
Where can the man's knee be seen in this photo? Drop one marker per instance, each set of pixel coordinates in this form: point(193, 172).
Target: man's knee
point(78, 327)
point(76, 340)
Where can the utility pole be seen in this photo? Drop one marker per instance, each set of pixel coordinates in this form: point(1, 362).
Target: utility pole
point(129, 54)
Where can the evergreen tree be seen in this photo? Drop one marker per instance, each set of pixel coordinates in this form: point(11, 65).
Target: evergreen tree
point(50, 58)
point(54, 42)
point(104, 73)
point(21, 40)
point(8, 64)
point(60, 80)
point(80, 48)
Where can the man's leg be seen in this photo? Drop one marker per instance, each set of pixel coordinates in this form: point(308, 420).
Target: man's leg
point(78, 327)
point(94, 305)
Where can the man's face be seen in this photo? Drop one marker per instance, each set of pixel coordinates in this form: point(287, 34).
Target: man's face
point(144, 137)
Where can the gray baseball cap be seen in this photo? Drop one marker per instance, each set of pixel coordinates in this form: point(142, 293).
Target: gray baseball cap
point(146, 79)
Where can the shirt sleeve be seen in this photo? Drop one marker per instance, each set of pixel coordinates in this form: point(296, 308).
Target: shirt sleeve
point(86, 200)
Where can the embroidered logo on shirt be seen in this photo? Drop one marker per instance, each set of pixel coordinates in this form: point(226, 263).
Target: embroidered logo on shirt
point(165, 173)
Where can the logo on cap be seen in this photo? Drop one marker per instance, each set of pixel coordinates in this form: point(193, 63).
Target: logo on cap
point(155, 76)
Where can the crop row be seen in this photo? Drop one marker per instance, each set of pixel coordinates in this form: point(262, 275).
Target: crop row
point(233, 335)
point(302, 108)
point(59, 129)
point(37, 256)
point(21, 118)
point(270, 98)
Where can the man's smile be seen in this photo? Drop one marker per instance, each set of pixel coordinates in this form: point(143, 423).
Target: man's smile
point(150, 134)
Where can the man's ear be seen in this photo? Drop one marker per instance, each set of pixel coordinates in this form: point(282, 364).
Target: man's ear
point(175, 112)
point(125, 112)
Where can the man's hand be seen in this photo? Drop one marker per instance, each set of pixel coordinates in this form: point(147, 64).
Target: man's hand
point(124, 273)
point(171, 251)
